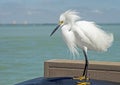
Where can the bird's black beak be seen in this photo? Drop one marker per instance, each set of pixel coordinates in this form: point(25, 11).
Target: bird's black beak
point(54, 30)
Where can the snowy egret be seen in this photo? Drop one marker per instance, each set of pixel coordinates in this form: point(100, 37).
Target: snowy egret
point(82, 34)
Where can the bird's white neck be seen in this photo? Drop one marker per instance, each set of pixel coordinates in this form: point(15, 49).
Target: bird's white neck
point(71, 24)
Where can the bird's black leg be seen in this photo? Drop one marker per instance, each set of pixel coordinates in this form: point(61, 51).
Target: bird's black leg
point(84, 80)
point(86, 65)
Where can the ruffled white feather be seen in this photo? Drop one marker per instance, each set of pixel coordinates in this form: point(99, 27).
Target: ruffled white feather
point(84, 34)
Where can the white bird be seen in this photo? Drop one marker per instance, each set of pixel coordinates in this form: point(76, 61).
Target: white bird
point(82, 34)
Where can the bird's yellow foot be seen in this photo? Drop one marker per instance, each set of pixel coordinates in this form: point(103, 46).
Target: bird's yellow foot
point(81, 78)
point(83, 83)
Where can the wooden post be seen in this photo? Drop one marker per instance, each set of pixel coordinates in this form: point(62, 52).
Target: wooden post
point(109, 71)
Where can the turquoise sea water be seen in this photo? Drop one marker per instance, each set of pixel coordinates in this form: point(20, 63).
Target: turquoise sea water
point(24, 48)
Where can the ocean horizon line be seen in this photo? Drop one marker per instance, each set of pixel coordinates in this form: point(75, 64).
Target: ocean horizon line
point(54, 24)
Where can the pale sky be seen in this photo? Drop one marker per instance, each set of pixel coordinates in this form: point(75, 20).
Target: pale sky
point(48, 11)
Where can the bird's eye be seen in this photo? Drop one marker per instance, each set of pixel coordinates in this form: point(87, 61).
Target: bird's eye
point(61, 22)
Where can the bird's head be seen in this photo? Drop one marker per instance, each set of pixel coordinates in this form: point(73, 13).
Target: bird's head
point(67, 17)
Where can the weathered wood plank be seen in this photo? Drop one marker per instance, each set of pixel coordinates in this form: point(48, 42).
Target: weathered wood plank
point(109, 71)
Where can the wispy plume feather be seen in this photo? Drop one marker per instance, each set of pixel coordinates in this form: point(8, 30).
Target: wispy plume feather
point(71, 15)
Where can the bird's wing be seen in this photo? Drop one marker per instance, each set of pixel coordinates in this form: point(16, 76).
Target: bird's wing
point(81, 39)
point(92, 36)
